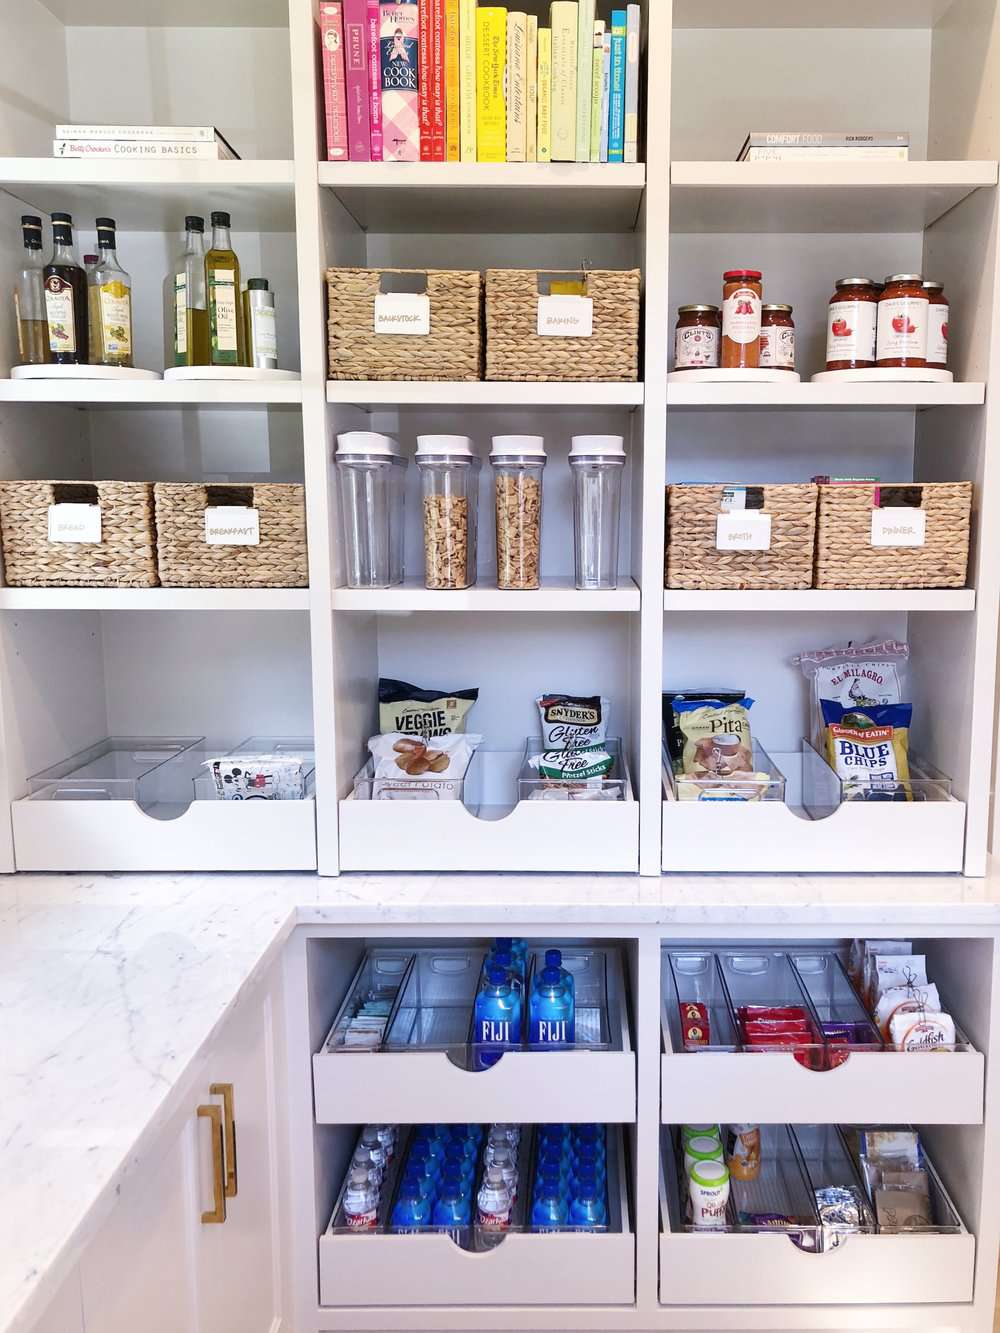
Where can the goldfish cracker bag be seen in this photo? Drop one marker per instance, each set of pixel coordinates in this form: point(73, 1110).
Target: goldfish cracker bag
point(868, 749)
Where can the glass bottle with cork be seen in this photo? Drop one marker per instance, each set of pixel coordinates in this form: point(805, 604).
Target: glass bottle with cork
point(227, 345)
point(190, 344)
point(110, 301)
point(66, 297)
point(29, 297)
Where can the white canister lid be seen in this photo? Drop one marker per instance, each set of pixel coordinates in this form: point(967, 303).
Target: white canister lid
point(504, 445)
point(460, 445)
point(367, 442)
point(590, 445)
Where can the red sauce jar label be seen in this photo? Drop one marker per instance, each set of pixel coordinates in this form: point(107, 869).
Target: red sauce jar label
point(937, 335)
point(741, 315)
point(902, 328)
point(850, 331)
point(777, 347)
point(696, 346)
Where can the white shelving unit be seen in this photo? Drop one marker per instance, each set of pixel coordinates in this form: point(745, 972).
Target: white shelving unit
point(682, 216)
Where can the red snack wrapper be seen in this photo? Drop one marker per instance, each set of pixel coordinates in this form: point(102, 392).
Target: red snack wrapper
point(695, 1030)
point(773, 1011)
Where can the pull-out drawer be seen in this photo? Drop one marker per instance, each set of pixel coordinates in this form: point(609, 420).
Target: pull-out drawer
point(426, 1066)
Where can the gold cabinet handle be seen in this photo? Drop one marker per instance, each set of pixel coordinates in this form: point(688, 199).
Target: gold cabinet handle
point(218, 1213)
point(225, 1091)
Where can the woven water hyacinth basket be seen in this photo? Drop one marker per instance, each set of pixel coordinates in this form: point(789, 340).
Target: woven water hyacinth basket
point(125, 557)
point(694, 563)
point(516, 351)
point(451, 351)
point(188, 561)
point(845, 557)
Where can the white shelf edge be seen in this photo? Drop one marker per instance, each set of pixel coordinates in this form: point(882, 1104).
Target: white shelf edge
point(154, 599)
point(844, 396)
point(555, 595)
point(150, 392)
point(482, 175)
point(822, 599)
point(85, 171)
point(486, 393)
point(833, 175)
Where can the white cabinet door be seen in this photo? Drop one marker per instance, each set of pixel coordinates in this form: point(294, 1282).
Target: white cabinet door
point(139, 1273)
point(238, 1269)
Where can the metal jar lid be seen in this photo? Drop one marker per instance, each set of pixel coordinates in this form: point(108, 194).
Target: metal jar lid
point(904, 277)
point(855, 282)
point(697, 310)
point(930, 286)
point(787, 309)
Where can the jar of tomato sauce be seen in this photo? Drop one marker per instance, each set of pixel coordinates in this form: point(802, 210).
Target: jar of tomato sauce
point(901, 340)
point(777, 338)
point(937, 325)
point(742, 296)
point(696, 338)
point(850, 324)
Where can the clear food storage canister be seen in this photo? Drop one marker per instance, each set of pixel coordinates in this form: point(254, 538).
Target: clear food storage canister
point(597, 463)
point(372, 475)
point(518, 462)
point(449, 473)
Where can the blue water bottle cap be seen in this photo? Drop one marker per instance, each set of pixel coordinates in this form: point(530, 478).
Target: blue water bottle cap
point(503, 942)
point(504, 958)
point(497, 974)
point(553, 958)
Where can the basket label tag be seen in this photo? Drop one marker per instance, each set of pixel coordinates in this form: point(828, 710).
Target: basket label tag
point(232, 525)
point(75, 523)
point(565, 316)
point(408, 313)
point(743, 530)
point(899, 526)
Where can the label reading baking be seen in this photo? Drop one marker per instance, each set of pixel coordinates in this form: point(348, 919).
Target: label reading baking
point(899, 526)
point(116, 320)
point(741, 316)
point(222, 297)
point(743, 530)
point(75, 523)
point(937, 335)
point(696, 347)
point(902, 328)
point(407, 313)
point(180, 314)
point(59, 314)
point(777, 347)
point(850, 331)
point(565, 317)
point(232, 525)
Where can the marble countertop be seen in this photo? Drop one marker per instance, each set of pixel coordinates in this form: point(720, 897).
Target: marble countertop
point(111, 985)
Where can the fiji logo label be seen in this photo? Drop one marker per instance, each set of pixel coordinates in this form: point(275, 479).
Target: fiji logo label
point(492, 1030)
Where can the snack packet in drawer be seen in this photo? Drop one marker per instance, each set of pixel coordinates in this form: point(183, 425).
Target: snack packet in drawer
point(258, 777)
point(415, 711)
point(859, 675)
point(868, 748)
point(571, 721)
point(412, 768)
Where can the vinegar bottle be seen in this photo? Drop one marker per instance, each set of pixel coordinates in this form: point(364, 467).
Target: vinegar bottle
point(222, 283)
point(29, 298)
point(66, 297)
point(110, 289)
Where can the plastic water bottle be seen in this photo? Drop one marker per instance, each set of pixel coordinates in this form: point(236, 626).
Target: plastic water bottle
point(360, 1200)
point(387, 1138)
point(493, 1206)
point(412, 1209)
point(453, 1207)
point(364, 1159)
point(503, 1161)
point(551, 1007)
point(373, 1144)
point(427, 1185)
point(455, 1160)
point(513, 1133)
point(588, 1208)
point(554, 1159)
point(550, 1210)
point(497, 1022)
point(591, 1134)
point(554, 958)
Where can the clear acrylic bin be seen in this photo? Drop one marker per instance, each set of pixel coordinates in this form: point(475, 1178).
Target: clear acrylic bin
point(764, 978)
point(427, 1067)
point(693, 976)
point(339, 1226)
point(293, 747)
point(844, 1020)
point(531, 787)
point(114, 769)
point(765, 783)
point(823, 790)
point(378, 980)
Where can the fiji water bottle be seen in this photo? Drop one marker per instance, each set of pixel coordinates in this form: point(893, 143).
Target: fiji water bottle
point(587, 1163)
point(554, 958)
point(588, 1208)
point(549, 1210)
point(551, 1007)
point(497, 1023)
point(427, 1185)
point(360, 1200)
point(455, 1160)
point(412, 1208)
point(493, 1206)
point(454, 1204)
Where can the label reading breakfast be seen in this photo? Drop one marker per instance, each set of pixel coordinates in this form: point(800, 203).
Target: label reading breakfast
point(850, 333)
point(407, 313)
point(902, 328)
point(743, 530)
point(75, 523)
point(565, 317)
point(741, 316)
point(232, 525)
point(899, 527)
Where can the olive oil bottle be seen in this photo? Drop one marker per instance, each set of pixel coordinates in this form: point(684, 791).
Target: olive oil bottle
point(191, 345)
point(227, 330)
point(29, 298)
point(110, 300)
point(66, 297)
